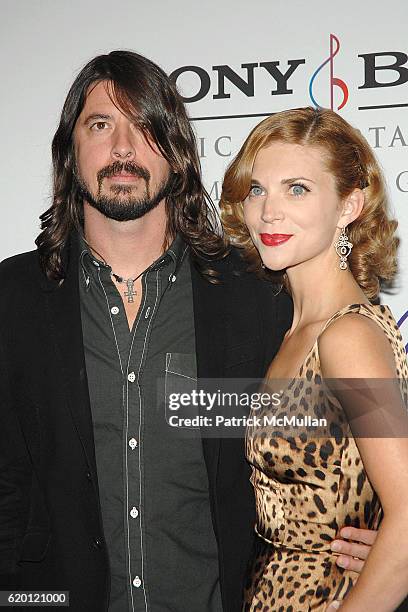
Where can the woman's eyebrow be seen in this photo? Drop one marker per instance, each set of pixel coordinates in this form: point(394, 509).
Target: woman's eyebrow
point(296, 178)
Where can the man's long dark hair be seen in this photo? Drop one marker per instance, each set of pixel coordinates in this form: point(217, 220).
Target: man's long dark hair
point(144, 93)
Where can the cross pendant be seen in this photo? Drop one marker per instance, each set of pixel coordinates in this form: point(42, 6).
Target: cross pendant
point(130, 292)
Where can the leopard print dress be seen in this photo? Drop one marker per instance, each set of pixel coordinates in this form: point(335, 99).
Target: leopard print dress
point(307, 487)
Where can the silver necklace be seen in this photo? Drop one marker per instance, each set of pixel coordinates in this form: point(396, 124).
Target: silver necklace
point(129, 282)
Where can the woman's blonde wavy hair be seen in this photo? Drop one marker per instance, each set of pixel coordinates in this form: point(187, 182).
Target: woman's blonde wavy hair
point(349, 158)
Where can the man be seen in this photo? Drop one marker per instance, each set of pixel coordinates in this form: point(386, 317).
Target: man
point(130, 287)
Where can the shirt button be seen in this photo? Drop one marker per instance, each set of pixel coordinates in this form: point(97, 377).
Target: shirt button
point(137, 582)
point(172, 278)
point(114, 310)
point(89, 475)
point(134, 513)
point(132, 443)
point(131, 377)
point(97, 542)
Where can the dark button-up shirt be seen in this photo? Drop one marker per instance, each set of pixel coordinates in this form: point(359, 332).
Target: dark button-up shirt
point(152, 479)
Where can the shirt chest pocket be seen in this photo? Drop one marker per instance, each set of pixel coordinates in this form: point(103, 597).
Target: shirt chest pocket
point(179, 383)
point(182, 364)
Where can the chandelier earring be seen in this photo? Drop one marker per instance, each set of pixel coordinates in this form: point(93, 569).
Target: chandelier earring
point(343, 248)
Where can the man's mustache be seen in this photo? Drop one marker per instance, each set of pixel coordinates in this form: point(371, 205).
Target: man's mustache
point(128, 167)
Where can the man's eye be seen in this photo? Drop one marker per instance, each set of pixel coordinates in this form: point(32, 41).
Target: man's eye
point(298, 189)
point(99, 126)
point(255, 190)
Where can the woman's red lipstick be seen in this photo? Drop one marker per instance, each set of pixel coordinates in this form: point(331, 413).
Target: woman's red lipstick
point(275, 239)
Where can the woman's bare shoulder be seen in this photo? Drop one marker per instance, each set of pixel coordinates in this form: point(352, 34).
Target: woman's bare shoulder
point(355, 346)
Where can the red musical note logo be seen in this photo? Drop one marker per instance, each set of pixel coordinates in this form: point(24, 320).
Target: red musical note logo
point(334, 81)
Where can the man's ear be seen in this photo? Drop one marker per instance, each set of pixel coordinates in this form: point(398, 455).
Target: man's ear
point(352, 207)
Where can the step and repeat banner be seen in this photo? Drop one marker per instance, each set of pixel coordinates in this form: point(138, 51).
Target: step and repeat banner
point(234, 63)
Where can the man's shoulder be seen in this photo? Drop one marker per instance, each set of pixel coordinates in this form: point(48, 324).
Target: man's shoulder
point(233, 277)
point(230, 266)
point(19, 268)
point(246, 287)
point(236, 270)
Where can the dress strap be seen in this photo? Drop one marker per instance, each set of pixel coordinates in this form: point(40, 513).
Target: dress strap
point(354, 308)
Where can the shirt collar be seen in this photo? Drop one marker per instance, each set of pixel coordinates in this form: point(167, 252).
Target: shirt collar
point(175, 254)
point(173, 258)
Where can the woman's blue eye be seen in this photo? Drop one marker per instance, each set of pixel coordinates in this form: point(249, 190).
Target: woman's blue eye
point(255, 190)
point(298, 190)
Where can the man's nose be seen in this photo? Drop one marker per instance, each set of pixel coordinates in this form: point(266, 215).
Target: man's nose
point(123, 146)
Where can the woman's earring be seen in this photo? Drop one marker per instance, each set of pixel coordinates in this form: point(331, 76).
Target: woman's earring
point(262, 265)
point(343, 248)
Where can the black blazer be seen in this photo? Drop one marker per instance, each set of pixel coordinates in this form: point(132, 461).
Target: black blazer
point(51, 534)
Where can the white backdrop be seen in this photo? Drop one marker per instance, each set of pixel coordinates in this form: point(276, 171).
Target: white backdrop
point(44, 43)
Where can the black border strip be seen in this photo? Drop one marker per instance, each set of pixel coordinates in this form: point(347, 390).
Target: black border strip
point(382, 106)
point(231, 116)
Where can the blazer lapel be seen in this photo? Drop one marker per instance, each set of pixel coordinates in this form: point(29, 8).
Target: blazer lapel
point(210, 345)
point(64, 317)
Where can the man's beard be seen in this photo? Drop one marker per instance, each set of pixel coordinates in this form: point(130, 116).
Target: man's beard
point(117, 206)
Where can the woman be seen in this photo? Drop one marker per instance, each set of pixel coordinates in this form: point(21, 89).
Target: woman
point(305, 199)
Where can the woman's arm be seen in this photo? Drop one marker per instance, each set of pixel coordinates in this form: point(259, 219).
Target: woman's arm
point(354, 347)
